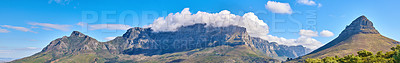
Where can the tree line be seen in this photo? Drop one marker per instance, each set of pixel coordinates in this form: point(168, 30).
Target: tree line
point(363, 57)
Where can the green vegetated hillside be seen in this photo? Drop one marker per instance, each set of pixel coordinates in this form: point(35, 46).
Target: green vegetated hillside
point(359, 35)
point(195, 43)
point(363, 57)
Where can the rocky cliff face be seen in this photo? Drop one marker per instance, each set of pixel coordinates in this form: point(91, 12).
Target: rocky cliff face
point(282, 52)
point(144, 41)
point(189, 43)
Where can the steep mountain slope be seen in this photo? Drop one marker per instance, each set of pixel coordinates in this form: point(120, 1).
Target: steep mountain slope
point(194, 43)
point(281, 52)
point(359, 35)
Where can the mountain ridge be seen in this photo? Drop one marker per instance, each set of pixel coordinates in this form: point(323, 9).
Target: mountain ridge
point(359, 35)
point(194, 43)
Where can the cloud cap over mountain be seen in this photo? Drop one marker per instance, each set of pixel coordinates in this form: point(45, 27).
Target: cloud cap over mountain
point(254, 26)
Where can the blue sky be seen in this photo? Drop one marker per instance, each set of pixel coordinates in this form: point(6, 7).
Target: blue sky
point(44, 20)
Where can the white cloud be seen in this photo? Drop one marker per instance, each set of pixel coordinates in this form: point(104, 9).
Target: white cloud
point(19, 49)
point(31, 48)
point(109, 38)
point(5, 51)
point(47, 29)
point(308, 42)
point(308, 33)
point(26, 48)
point(305, 39)
point(4, 30)
point(326, 33)
point(18, 28)
point(306, 2)
point(62, 2)
point(277, 7)
point(109, 26)
point(254, 26)
point(53, 26)
point(309, 2)
point(32, 27)
point(319, 5)
point(81, 24)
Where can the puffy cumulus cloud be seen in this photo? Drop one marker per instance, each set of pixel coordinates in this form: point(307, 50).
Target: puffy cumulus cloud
point(326, 33)
point(254, 26)
point(109, 38)
point(18, 28)
point(4, 30)
point(277, 7)
point(305, 41)
point(53, 26)
point(306, 2)
point(308, 33)
point(109, 26)
point(308, 42)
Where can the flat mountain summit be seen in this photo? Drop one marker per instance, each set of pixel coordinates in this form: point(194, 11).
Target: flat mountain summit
point(359, 35)
point(194, 43)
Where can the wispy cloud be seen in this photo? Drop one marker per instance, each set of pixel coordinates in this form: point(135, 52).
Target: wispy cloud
point(104, 26)
point(109, 26)
point(28, 48)
point(53, 26)
point(278, 7)
point(4, 30)
point(19, 49)
point(62, 2)
point(18, 28)
point(109, 38)
point(81, 24)
point(5, 51)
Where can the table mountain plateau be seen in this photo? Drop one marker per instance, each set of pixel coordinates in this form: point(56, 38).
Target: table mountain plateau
point(194, 43)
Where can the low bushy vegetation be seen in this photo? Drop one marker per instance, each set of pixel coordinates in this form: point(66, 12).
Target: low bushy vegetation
point(363, 57)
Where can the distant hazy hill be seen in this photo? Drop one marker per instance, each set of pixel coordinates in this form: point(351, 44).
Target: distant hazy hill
point(359, 35)
point(3, 60)
point(194, 43)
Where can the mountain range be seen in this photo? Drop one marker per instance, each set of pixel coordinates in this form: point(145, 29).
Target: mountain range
point(193, 43)
point(202, 43)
